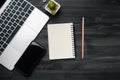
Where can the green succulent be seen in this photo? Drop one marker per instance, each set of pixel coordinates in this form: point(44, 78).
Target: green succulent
point(52, 5)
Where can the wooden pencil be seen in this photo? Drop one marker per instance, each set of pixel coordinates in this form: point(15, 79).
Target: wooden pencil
point(83, 38)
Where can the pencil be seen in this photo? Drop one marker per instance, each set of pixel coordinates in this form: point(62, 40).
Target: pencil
point(83, 38)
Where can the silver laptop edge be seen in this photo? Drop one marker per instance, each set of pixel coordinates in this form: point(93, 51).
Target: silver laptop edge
point(4, 6)
point(27, 33)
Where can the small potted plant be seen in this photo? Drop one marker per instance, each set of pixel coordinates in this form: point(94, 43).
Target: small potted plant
point(52, 7)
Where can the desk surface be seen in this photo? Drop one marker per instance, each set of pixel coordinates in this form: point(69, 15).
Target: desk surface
point(102, 43)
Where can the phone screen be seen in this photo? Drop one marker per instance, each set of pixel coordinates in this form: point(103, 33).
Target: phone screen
point(30, 58)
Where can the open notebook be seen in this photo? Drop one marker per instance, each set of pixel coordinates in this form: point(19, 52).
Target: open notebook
point(61, 41)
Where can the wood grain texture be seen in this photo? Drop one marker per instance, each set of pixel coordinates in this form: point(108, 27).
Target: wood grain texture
point(102, 43)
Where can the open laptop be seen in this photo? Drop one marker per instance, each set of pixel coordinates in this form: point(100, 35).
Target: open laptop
point(20, 23)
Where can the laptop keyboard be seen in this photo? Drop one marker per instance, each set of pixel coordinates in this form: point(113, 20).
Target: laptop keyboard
point(12, 19)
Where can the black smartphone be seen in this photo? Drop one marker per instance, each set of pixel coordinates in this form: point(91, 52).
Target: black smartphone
point(30, 58)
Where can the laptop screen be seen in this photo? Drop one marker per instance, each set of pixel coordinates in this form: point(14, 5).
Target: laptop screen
point(2, 2)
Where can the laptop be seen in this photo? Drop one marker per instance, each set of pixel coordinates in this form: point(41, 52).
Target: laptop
point(20, 23)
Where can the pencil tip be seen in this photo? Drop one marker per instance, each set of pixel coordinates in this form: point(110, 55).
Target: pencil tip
point(82, 58)
point(83, 18)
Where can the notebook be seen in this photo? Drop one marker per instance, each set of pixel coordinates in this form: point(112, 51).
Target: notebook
point(61, 41)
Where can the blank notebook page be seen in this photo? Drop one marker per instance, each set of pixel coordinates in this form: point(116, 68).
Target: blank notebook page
point(61, 41)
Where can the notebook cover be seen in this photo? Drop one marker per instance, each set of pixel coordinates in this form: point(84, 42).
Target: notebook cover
point(61, 41)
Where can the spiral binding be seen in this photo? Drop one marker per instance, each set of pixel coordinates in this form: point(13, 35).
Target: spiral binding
point(73, 44)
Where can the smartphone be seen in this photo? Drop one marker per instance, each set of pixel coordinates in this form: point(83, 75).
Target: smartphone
point(30, 59)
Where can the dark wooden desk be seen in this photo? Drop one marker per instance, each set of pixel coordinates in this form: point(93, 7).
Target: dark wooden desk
point(102, 43)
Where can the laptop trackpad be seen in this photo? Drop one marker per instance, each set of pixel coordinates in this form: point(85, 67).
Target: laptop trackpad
point(37, 20)
point(23, 38)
